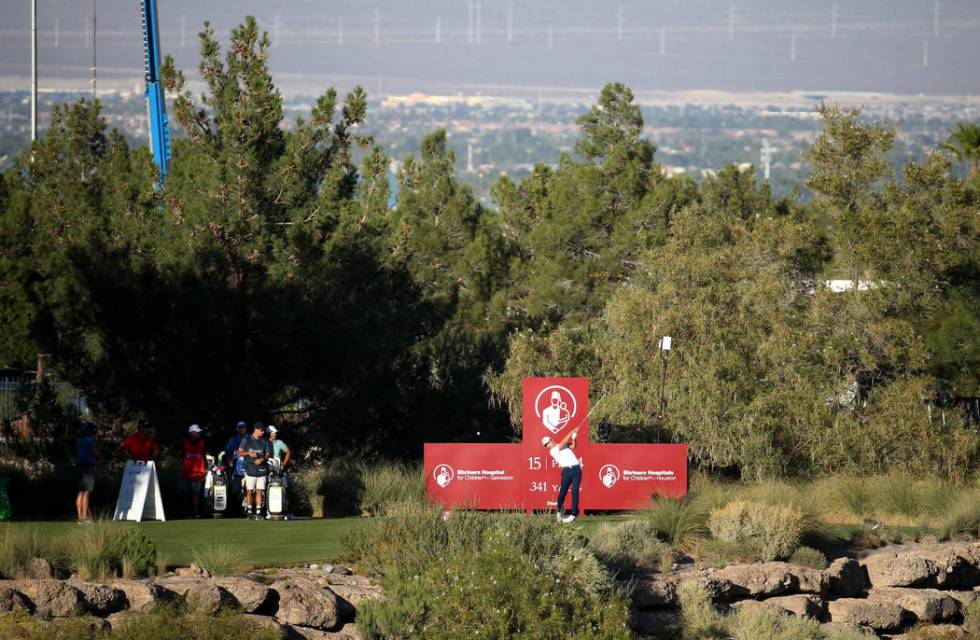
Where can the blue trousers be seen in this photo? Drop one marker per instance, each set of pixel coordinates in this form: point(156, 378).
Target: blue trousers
point(570, 477)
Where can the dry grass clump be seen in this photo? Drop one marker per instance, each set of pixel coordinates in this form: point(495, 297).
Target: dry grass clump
point(626, 547)
point(772, 530)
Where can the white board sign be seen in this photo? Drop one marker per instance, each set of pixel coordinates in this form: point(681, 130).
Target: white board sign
point(139, 493)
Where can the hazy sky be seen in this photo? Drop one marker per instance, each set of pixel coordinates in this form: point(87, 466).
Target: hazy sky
point(531, 46)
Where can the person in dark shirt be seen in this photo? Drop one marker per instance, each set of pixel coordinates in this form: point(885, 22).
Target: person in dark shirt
point(255, 450)
point(85, 456)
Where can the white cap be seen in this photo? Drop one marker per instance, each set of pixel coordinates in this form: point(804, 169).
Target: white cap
point(546, 441)
point(194, 429)
point(272, 429)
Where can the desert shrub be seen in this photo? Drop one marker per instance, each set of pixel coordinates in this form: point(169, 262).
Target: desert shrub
point(178, 623)
point(385, 485)
point(628, 546)
point(97, 549)
point(773, 530)
point(498, 592)
point(718, 553)
point(755, 623)
point(809, 557)
point(679, 522)
point(18, 545)
point(963, 516)
point(971, 617)
point(139, 554)
point(330, 489)
point(217, 557)
point(699, 619)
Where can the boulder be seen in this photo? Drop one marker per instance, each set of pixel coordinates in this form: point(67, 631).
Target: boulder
point(117, 620)
point(943, 567)
point(663, 623)
point(764, 580)
point(262, 622)
point(933, 632)
point(846, 578)
point(346, 632)
point(251, 596)
point(876, 614)
point(655, 591)
point(928, 605)
point(210, 598)
point(775, 609)
point(12, 600)
point(178, 585)
point(142, 595)
point(846, 629)
point(964, 597)
point(101, 599)
point(193, 571)
point(803, 605)
point(305, 603)
point(52, 598)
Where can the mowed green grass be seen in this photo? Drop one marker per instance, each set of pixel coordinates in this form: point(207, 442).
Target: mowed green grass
point(263, 543)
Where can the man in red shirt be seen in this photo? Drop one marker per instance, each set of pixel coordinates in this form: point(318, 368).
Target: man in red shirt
point(194, 469)
point(140, 445)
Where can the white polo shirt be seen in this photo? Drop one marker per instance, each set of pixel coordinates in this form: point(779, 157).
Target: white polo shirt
point(564, 456)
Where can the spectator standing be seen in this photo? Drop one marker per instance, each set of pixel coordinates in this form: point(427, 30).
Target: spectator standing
point(85, 457)
point(194, 469)
point(140, 445)
point(277, 448)
point(236, 466)
point(255, 450)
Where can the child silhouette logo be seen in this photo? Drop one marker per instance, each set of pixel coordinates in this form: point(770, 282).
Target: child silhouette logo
point(556, 406)
point(609, 474)
point(443, 475)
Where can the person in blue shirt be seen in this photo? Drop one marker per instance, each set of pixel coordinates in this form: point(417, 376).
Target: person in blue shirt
point(235, 465)
point(85, 456)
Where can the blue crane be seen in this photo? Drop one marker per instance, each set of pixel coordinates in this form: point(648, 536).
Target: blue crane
point(156, 106)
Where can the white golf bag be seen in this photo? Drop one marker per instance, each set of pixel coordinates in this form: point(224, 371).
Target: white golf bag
point(275, 491)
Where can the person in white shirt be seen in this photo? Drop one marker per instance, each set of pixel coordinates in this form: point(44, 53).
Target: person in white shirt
point(571, 472)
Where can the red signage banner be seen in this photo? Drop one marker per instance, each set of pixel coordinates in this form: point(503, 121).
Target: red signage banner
point(524, 476)
point(551, 407)
point(484, 476)
point(624, 476)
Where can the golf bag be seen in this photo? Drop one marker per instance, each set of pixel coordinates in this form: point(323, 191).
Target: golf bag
point(275, 495)
point(219, 486)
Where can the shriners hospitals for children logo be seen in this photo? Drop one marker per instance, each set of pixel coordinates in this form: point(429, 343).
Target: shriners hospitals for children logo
point(443, 475)
point(555, 405)
point(609, 474)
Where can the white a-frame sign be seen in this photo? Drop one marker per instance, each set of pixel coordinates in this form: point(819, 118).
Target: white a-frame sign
point(139, 493)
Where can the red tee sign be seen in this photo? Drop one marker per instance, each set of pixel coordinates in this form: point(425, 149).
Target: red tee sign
point(525, 476)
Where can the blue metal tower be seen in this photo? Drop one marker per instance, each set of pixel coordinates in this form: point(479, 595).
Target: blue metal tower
point(156, 106)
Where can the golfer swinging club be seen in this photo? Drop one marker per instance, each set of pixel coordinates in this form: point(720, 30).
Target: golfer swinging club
point(571, 472)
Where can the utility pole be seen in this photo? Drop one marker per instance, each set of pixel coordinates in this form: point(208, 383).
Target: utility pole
point(925, 54)
point(33, 70)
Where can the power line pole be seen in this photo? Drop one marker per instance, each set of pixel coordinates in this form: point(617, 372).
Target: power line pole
point(925, 54)
point(33, 70)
